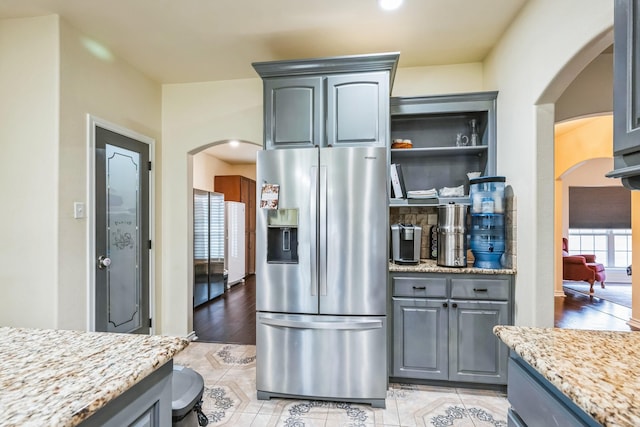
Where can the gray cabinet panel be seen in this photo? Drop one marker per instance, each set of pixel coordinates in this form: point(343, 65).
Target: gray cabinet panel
point(439, 337)
point(358, 109)
point(420, 287)
point(476, 354)
point(535, 402)
point(626, 93)
point(477, 288)
point(293, 112)
point(420, 338)
point(325, 102)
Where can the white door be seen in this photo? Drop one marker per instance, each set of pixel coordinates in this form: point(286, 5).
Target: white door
point(234, 241)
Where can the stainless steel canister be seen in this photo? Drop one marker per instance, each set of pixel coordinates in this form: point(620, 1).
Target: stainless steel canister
point(452, 242)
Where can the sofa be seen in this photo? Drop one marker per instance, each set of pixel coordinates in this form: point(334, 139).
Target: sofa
point(581, 267)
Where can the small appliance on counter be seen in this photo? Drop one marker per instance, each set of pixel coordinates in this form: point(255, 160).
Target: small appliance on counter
point(405, 243)
point(487, 220)
point(452, 240)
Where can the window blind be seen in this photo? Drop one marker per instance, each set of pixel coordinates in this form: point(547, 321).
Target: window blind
point(599, 207)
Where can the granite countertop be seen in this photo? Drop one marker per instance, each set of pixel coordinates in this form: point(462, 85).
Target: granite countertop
point(60, 378)
point(598, 370)
point(431, 266)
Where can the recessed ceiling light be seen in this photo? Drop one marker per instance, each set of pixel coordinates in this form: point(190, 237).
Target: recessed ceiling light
point(234, 143)
point(389, 4)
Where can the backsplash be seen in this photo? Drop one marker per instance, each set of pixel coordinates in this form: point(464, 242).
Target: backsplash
point(427, 216)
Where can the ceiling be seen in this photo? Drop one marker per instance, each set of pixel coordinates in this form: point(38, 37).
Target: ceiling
point(181, 41)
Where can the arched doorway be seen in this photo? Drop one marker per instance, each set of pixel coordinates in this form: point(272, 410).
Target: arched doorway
point(223, 304)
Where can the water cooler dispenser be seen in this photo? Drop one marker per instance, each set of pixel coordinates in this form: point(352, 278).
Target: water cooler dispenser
point(487, 221)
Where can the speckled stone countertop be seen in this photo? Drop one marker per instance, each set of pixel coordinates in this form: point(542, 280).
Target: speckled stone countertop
point(598, 370)
point(60, 378)
point(431, 266)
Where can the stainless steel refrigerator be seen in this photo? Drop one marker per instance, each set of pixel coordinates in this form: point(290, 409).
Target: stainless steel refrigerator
point(208, 246)
point(321, 274)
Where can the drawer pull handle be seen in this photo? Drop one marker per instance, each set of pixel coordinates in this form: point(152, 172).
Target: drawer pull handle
point(480, 290)
point(454, 305)
point(445, 305)
point(419, 288)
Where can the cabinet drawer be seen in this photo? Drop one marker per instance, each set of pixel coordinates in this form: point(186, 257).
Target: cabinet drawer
point(418, 287)
point(494, 289)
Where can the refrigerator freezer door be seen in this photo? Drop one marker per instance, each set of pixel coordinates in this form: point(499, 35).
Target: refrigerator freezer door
point(323, 357)
point(290, 288)
point(353, 217)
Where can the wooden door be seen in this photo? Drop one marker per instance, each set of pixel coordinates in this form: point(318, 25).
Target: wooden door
point(237, 188)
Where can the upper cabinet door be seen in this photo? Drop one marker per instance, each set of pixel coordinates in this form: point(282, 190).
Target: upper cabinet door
point(626, 93)
point(293, 112)
point(357, 109)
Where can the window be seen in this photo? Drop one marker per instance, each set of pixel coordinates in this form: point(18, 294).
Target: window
point(612, 247)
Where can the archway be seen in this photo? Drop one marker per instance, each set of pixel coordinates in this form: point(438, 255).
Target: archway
point(222, 157)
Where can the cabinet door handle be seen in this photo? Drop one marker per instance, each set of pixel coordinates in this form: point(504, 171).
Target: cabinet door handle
point(454, 305)
point(480, 290)
point(419, 288)
point(445, 305)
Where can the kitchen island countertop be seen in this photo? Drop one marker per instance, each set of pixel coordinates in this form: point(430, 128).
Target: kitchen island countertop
point(61, 378)
point(597, 370)
point(431, 266)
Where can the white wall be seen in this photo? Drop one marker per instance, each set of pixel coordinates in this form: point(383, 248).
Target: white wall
point(545, 48)
point(206, 167)
point(29, 172)
point(49, 83)
point(111, 90)
point(591, 92)
point(194, 116)
point(438, 80)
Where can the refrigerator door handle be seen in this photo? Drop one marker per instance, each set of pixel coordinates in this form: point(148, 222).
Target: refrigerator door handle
point(322, 246)
point(313, 203)
point(348, 325)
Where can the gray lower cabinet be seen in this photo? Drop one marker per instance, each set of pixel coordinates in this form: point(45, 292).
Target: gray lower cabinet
point(535, 402)
point(420, 338)
point(443, 326)
point(147, 403)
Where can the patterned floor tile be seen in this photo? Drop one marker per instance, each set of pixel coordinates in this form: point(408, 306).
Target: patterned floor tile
point(230, 399)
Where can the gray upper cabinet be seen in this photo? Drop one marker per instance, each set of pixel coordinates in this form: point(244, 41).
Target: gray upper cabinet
point(358, 109)
point(293, 112)
point(338, 101)
point(626, 93)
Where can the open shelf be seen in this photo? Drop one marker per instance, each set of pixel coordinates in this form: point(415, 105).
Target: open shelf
point(400, 153)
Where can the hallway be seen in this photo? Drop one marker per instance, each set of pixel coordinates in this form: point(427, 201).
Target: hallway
point(229, 318)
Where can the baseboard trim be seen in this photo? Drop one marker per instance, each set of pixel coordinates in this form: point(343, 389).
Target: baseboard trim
point(192, 336)
point(634, 323)
point(559, 294)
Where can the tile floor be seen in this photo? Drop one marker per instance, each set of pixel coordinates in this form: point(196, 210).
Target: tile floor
point(230, 399)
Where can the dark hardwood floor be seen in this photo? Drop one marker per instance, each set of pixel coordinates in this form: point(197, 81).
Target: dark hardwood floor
point(229, 318)
point(580, 311)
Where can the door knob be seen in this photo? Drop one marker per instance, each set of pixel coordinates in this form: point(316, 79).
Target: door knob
point(103, 262)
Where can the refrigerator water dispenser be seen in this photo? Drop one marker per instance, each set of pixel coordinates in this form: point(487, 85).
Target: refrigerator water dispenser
point(282, 236)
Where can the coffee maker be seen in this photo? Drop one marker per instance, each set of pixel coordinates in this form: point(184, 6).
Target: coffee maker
point(405, 243)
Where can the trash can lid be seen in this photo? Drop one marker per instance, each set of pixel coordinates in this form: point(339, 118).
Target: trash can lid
point(187, 387)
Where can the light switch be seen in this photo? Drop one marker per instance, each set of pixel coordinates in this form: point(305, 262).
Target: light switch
point(78, 210)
